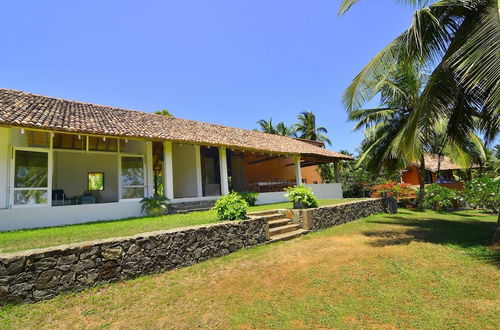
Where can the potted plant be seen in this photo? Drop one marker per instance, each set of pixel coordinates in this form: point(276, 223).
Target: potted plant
point(154, 206)
point(301, 197)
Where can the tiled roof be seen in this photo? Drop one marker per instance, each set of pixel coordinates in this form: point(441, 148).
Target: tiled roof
point(432, 162)
point(23, 109)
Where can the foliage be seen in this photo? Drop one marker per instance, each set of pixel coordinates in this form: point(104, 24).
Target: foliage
point(163, 113)
point(301, 194)
point(438, 197)
point(249, 197)
point(483, 193)
point(281, 128)
point(307, 128)
point(393, 189)
point(154, 203)
point(456, 43)
point(231, 207)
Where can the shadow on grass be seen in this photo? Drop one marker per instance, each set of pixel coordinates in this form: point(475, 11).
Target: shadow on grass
point(471, 235)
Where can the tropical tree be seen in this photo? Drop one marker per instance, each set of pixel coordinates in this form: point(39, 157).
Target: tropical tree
point(164, 112)
point(284, 130)
point(458, 43)
point(307, 128)
point(267, 126)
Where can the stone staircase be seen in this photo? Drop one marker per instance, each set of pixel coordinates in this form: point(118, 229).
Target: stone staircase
point(281, 228)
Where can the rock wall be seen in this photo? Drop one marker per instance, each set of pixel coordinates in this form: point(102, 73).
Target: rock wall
point(328, 216)
point(35, 275)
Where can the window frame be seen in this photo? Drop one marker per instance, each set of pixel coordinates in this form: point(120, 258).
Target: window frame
point(121, 187)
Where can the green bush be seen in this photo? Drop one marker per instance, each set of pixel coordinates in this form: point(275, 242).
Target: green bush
point(303, 195)
point(483, 193)
point(231, 207)
point(249, 197)
point(438, 197)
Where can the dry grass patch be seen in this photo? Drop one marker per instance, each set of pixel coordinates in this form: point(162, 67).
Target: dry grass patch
point(351, 276)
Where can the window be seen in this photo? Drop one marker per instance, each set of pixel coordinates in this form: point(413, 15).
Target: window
point(96, 181)
point(31, 177)
point(132, 177)
point(68, 141)
point(103, 144)
point(32, 139)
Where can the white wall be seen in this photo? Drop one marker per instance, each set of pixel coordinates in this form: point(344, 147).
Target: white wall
point(4, 166)
point(71, 173)
point(321, 191)
point(184, 170)
point(33, 217)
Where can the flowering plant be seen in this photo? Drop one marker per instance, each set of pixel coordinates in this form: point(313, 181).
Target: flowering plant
point(483, 193)
point(394, 190)
point(438, 197)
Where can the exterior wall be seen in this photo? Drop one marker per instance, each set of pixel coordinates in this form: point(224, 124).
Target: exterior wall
point(36, 275)
point(4, 166)
point(278, 169)
point(411, 176)
point(322, 191)
point(310, 175)
point(184, 170)
point(71, 170)
point(34, 217)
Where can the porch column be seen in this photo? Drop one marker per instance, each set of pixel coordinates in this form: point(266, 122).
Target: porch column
point(336, 171)
point(199, 183)
point(298, 172)
point(149, 169)
point(224, 181)
point(168, 173)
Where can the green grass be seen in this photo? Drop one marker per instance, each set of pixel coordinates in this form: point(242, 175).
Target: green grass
point(411, 270)
point(45, 237)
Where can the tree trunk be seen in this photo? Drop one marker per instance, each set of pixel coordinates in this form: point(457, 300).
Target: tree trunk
point(420, 200)
point(469, 174)
point(439, 167)
point(496, 234)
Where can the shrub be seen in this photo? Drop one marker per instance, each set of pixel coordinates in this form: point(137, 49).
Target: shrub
point(303, 195)
point(231, 207)
point(438, 197)
point(249, 197)
point(483, 193)
point(394, 190)
point(155, 205)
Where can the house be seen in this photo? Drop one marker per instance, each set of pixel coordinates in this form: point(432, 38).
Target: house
point(438, 169)
point(64, 162)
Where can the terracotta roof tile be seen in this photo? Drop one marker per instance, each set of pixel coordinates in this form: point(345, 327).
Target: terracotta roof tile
point(23, 109)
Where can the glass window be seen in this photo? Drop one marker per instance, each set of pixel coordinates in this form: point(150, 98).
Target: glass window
point(68, 141)
point(31, 177)
point(132, 177)
point(96, 181)
point(32, 139)
point(103, 144)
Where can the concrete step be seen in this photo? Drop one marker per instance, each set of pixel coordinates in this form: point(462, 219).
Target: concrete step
point(264, 213)
point(283, 229)
point(274, 216)
point(279, 222)
point(287, 236)
point(192, 210)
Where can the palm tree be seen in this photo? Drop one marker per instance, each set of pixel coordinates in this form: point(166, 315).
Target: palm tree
point(267, 126)
point(457, 42)
point(402, 90)
point(163, 113)
point(308, 129)
point(283, 130)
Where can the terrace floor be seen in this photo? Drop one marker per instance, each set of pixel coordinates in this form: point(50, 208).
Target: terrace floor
point(45, 237)
point(425, 270)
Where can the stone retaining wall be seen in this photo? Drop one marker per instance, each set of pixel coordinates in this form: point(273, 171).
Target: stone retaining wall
point(35, 275)
point(328, 216)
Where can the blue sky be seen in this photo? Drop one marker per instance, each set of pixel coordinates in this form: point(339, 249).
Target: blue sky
point(230, 62)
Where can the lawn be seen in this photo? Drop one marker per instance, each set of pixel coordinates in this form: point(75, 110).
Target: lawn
point(44, 237)
point(425, 270)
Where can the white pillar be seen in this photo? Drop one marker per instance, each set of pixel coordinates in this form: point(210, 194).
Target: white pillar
point(199, 183)
point(149, 169)
point(5, 159)
point(336, 171)
point(168, 173)
point(298, 172)
point(224, 181)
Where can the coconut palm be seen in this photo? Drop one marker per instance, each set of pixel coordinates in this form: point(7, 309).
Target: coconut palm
point(307, 129)
point(163, 113)
point(267, 126)
point(282, 129)
point(458, 43)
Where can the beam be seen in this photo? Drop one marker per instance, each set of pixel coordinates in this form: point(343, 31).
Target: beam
point(199, 183)
point(224, 180)
point(298, 173)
